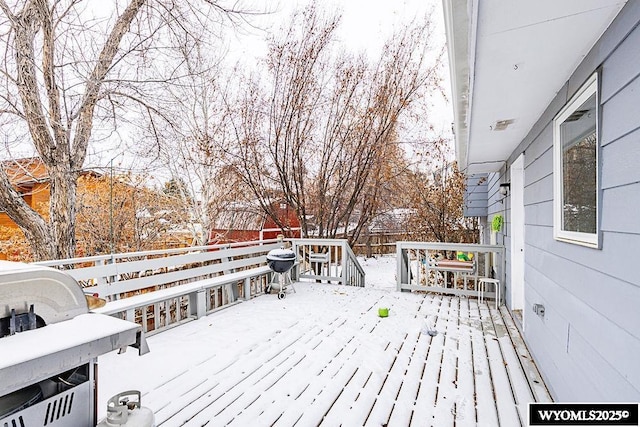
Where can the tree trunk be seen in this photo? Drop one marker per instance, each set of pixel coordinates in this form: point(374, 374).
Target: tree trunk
point(62, 211)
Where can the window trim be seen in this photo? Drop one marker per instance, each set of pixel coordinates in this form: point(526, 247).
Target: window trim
point(592, 240)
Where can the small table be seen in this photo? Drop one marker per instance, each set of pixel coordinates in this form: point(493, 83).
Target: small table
point(465, 268)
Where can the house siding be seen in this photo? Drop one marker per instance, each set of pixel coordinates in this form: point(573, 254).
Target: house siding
point(588, 343)
point(475, 196)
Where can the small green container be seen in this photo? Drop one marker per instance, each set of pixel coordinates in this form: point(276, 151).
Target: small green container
point(383, 312)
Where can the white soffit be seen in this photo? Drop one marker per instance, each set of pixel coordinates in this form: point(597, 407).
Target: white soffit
point(524, 53)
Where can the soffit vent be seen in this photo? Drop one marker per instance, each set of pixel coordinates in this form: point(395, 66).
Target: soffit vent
point(502, 124)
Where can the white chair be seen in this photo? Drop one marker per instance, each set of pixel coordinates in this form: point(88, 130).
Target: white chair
point(482, 284)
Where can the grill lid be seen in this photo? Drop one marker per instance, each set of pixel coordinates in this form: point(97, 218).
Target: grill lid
point(55, 296)
point(281, 255)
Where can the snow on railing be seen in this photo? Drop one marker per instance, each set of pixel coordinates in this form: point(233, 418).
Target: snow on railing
point(451, 268)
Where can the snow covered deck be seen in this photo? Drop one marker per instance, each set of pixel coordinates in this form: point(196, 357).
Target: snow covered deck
point(323, 356)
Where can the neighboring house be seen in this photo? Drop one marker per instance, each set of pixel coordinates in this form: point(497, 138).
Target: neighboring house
point(392, 222)
point(29, 177)
point(244, 222)
point(161, 227)
point(546, 101)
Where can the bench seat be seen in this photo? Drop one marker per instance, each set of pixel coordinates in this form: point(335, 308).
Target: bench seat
point(149, 298)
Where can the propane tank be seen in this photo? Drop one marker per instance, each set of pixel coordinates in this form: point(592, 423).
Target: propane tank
point(125, 409)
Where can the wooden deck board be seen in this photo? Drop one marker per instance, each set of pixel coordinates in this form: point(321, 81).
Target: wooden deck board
point(426, 399)
point(519, 383)
point(465, 412)
point(529, 368)
point(484, 391)
point(405, 402)
point(505, 404)
point(446, 390)
point(325, 366)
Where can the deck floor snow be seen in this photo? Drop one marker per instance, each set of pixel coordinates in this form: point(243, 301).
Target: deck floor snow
point(322, 356)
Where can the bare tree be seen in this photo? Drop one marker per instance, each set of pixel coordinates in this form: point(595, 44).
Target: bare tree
point(436, 198)
point(65, 74)
point(328, 122)
point(193, 147)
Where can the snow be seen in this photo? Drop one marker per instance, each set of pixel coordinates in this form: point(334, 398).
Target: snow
point(83, 329)
point(55, 348)
point(323, 352)
point(380, 272)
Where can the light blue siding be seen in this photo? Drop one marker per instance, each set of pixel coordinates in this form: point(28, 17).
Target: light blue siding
point(620, 161)
point(475, 196)
point(588, 343)
point(621, 113)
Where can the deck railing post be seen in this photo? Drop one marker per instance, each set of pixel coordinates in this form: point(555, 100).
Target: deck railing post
point(198, 303)
point(130, 315)
point(402, 275)
point(247, 289)
point(295, 271)
point(100, 280)
point(112, 279)
point(345, 261)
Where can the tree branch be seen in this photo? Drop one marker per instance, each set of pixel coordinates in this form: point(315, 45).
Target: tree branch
point(109, 50)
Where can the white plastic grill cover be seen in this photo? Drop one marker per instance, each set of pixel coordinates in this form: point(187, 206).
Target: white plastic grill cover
point(55, 295)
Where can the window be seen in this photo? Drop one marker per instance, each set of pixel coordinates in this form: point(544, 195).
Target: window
point(575, 140)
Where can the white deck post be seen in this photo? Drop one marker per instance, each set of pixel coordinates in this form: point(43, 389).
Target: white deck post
point(130, 315)
point(198, 303)
point(247, 289)
point(345, 260)
point(399, 265)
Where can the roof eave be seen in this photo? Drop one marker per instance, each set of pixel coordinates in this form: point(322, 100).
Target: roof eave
point(459, 19)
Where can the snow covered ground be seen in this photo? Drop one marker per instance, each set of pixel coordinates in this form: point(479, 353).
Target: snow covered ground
point(323, 356)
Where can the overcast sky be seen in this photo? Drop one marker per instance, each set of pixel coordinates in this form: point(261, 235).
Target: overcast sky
point(365, 25)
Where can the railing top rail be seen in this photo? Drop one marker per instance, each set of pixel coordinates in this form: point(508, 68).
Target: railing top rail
point(317, 240)
point(462, 247)
point(352, 256)
point(141, 254)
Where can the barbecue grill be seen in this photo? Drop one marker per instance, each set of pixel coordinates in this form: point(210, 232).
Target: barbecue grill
point(50, 342)
point(280, 261)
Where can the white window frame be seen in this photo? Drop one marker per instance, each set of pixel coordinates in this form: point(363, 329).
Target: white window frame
point(592, 240)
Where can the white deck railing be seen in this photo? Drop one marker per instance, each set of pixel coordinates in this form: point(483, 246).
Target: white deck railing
point(330, 260)
point(435, 267)
point(159, 289)
point(112, 275)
